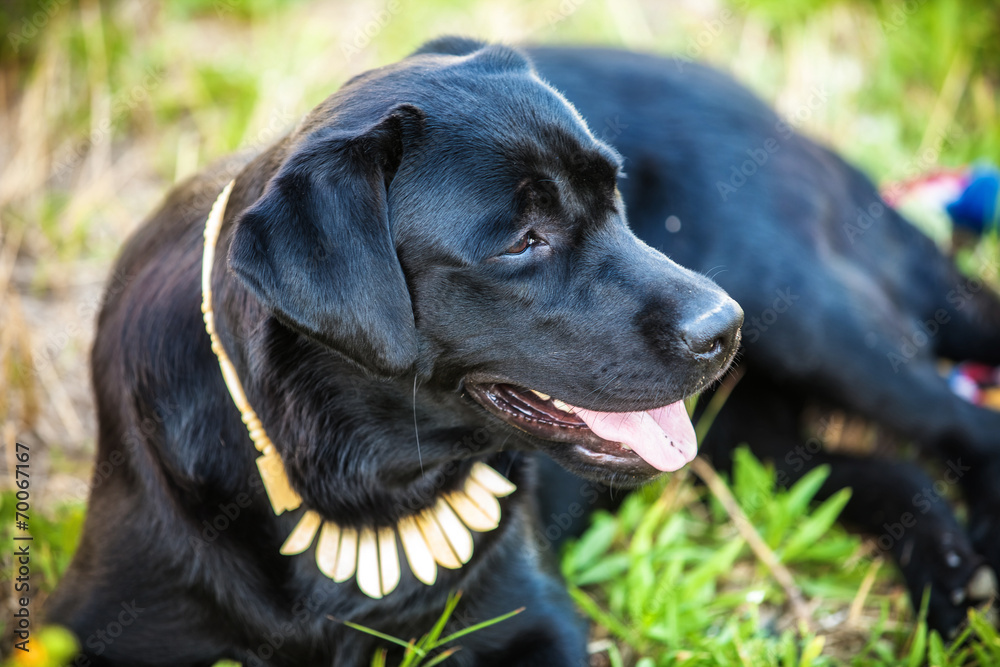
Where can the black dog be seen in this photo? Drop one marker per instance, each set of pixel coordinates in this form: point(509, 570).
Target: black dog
point(433, 241)
point(833, 281)
point(847, 305)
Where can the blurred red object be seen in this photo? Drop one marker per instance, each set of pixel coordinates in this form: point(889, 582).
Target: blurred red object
point(976, 383)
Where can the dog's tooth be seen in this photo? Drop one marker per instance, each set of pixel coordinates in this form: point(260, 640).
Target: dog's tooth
point(491, 480)
point(983, 585)
point(347, 555)
point(418, 555)
point(565, 407)
point(540, 395)
point(369, 580)
point(469, 512)
point(388, 559)
point(458, 535)
point(303, 534)
point(326, 548)
point(483, 499)
point(436, 541)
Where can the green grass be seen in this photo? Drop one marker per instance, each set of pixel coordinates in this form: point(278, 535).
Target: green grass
point(107, 104)
point(673, 582)
point(430, 649)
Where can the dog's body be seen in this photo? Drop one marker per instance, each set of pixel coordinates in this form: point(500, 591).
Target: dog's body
point(847, 305)
point(486, 245)
point(434, 239)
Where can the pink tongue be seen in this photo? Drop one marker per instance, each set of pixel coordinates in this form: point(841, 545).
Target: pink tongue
point(663, 437)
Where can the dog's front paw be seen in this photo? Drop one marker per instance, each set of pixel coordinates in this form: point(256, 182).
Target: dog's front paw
point(983, 494)
point(979, 591)
point(983, 587)
point(957, 576)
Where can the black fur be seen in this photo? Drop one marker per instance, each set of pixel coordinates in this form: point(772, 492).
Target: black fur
point(367, 286)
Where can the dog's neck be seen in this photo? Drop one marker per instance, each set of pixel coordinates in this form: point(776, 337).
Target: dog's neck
point(439, 534)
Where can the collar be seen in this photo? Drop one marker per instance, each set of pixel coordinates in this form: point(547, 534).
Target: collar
point(437, 535)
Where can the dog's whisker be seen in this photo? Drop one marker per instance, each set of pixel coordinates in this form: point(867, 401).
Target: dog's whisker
point(416, 431)
point(716, 271)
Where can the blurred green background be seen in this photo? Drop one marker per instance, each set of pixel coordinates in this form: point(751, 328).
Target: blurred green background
point(104, 105)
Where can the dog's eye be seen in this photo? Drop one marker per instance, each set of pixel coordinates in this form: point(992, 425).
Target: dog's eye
point(525, 242)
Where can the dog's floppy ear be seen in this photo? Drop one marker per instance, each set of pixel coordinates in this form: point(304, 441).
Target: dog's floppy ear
point(316, 248)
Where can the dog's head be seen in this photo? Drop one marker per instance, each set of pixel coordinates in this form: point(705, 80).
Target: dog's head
point(452, 217)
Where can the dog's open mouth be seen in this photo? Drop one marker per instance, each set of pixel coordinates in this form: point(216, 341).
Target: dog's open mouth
point(662, 437)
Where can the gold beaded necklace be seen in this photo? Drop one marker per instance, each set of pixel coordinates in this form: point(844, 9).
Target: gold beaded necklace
point(437, 535)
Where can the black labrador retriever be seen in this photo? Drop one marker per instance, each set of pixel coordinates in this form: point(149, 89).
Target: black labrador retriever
point(488, 255)
point(430, 275)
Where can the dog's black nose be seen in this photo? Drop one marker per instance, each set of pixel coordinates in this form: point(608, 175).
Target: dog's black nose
point(714, 333)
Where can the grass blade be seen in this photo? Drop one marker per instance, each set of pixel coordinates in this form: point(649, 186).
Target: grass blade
point(479, 626)
point(381, 635)
point(430, 640)
point(817, 525)
point(444, 655)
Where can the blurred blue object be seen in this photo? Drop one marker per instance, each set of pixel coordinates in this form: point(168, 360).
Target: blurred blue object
point(977, 209)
